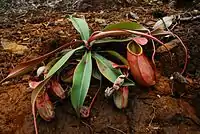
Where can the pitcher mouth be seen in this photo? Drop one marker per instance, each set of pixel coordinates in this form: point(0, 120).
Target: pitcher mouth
point(134, 48)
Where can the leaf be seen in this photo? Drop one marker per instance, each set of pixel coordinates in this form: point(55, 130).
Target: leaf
point(29, 65)
point(140, 40)
point(81, 82)
point(117, 55)
point(45, 107)
point(164, 23)
point(105, 67)
point(125, 26)
point(24, 68)
point(96, 74)
point(34, 96)
point(159, 32)
point(107, 70)
point(53, 70)
point(120, 97)
point(128, 82)
point(81, 26)
point(111, 40)
point(62, 61)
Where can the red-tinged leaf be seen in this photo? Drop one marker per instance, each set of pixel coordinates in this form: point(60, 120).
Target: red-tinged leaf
point(23, 68)
point(57, 89)
point(120, 97)
point(114, 65)
point(34, 96)
point(45, 107)
point(140, 40)
point(29, 65)
point(33, 84)
point(159, 32)
point(67, 76)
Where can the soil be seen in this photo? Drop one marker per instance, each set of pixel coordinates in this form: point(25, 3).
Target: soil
point(150, 110)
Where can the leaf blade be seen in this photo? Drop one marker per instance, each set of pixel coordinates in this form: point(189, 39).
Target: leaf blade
point(62, 61)
point(28, 65)
point(105, 67)
point(107, 70)
point(125, 26)
point(81, 82)
point(34, 95)
point(117, 55)
point(163, 23)
point(81, 26)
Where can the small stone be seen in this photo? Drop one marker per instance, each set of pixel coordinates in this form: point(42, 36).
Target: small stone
point(13, 47)
point(133, 15)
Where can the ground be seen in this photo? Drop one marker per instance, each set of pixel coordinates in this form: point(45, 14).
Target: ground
point(150, 110)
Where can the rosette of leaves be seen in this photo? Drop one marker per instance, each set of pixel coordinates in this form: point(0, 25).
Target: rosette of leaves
point(92, 48)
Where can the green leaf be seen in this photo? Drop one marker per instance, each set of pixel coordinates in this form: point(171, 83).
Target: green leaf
point(62, 61)
point(81, 26)
point(107, 70)
point(81, 82)
point(125, 26)
point(117, 55)
point(128, 82)
point(105, 67)
point(111, 40)
point(96, 74)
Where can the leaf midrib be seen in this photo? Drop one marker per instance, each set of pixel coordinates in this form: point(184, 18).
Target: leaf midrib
point(104, 65)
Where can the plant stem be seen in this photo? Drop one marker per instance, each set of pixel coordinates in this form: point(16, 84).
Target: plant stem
point(120, 33)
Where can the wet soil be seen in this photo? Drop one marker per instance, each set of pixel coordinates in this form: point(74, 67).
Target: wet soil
point(150, 110)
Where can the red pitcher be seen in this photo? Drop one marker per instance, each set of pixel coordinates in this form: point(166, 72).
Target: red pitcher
point(140, 66)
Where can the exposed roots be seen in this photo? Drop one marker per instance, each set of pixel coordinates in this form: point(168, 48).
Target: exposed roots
point(116, 129)
point(186, 53)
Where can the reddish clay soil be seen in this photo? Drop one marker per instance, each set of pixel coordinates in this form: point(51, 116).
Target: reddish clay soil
point(150, 110)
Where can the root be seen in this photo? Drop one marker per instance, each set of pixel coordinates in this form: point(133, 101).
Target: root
point(92, 131)
point(116, 129)
point(186, 53)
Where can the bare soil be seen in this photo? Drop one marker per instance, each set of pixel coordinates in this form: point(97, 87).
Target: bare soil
point(150, 110)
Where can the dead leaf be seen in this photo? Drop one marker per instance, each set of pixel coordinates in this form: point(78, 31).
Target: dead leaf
point(167, 20)
point(168, 46)
point(13, 47)
point(100, 21)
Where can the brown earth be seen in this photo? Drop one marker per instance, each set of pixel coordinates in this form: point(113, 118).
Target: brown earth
point(152, 110)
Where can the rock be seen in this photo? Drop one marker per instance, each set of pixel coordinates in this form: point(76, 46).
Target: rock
point(13, 47)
